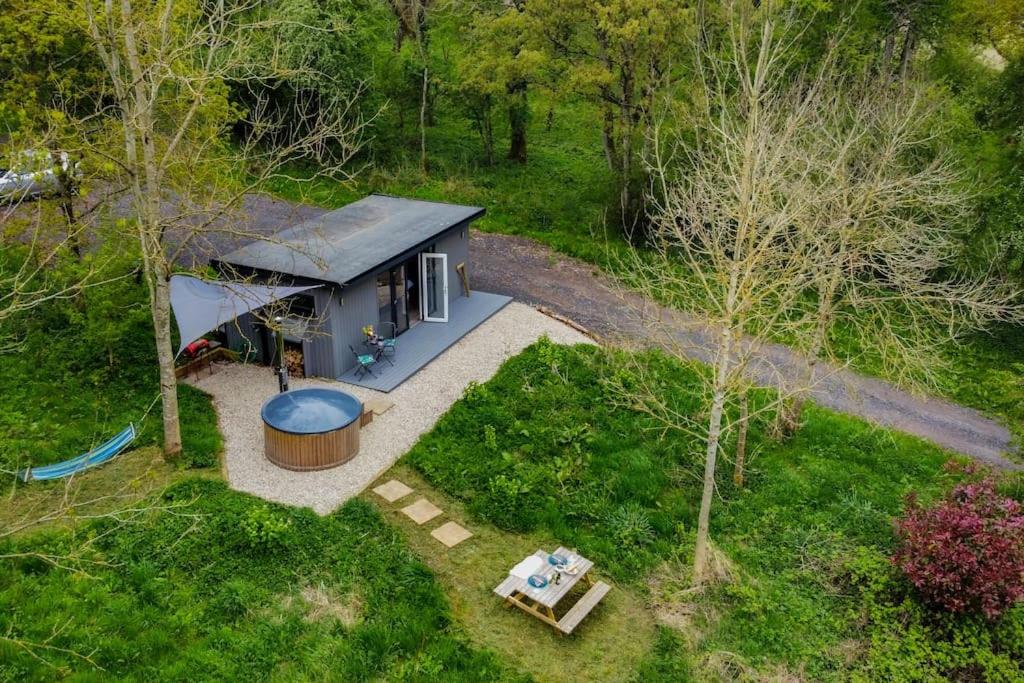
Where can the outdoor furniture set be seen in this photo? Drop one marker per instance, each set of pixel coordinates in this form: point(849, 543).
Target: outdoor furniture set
point(379, 348)
point(538, 583)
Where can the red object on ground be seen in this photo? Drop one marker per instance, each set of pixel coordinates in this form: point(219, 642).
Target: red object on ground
point(193, 349)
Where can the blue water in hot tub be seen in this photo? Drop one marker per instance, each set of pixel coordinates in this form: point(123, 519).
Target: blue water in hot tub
point(311, 411)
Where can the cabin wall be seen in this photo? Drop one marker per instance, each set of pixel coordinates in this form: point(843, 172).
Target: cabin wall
point(342, 312)
point(356, 308)
point(243, 334)
point(318, 347)
point(456, 245)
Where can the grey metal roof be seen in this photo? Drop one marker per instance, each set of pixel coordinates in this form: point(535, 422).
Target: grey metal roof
point(344, 244)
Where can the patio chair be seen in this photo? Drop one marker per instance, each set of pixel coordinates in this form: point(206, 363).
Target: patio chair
point(389, 344)
point(365, 361)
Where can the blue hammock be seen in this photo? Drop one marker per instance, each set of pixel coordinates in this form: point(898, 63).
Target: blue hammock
point(97, 456)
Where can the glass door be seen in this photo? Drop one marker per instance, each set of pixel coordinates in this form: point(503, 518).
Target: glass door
point(434, 287)
point(392, 300)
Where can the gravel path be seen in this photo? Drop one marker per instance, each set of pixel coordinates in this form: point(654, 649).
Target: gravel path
point(533, 273)
point(239, 391)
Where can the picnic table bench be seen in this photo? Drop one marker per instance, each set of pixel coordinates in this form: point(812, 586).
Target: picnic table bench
point(540, 602)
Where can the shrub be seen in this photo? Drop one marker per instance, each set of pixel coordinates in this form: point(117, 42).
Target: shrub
point(906, 641)
point(965, 553)
point(630, 526)
point(264, 529)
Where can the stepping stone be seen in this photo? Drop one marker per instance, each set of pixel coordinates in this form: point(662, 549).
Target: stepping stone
point(451, 534)
point(392, 491)
point(422, 511)
point(379, 406)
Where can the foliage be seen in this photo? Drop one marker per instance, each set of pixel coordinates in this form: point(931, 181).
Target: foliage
point(966, 552)
point(630, 526)
point(265, 530)
point(906, 641)
point(185, 596)
point(43, 60)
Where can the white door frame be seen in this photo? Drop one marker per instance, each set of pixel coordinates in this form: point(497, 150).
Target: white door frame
point(443, 267)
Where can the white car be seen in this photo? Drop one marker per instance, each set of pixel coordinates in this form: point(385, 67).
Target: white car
point(34, 174)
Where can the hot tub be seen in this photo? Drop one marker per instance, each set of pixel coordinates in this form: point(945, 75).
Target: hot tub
point(311, 429)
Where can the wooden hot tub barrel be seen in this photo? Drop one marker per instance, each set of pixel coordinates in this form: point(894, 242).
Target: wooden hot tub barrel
point(311, 429)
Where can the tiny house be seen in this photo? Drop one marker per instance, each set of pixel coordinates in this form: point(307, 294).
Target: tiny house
point(398, 265)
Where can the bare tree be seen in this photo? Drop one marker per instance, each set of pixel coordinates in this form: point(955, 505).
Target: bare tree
point(722, 238)
point(164, 135)
point(884, 236)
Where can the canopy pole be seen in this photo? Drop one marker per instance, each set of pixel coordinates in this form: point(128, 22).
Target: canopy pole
point(282, 367)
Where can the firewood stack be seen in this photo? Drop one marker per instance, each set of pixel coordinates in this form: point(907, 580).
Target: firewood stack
point(293, 361)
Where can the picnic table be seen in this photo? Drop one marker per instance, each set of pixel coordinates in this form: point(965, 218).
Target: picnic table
point(541, 602)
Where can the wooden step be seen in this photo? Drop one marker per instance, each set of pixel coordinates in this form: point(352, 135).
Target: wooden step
point(568, 623)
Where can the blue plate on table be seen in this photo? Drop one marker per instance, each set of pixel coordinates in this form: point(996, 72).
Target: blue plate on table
point(537, 581)
point(556, 560)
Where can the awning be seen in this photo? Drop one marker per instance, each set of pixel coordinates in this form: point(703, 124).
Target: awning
point(201, 305)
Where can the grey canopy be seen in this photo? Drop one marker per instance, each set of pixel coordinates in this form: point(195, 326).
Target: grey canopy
point(200, 305)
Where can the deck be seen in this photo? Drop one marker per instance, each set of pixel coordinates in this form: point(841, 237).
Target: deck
point(426, 341)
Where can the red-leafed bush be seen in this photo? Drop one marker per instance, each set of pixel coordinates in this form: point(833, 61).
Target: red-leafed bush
point(965, 553)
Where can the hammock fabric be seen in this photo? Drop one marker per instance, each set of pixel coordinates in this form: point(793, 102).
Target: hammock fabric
point(97, 456)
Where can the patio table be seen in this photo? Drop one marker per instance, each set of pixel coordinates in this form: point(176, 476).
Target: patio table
point(540, 602)
point(376, 345)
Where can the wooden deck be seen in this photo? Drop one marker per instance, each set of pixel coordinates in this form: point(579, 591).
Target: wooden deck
point(426, 341)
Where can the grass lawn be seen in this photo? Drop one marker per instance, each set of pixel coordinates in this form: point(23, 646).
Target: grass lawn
point(470, 571)
point(223, 586)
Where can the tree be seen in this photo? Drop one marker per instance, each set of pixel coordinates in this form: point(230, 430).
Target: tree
point(721, 236)
point(411, 18)
point(799, 186)
point(620, 54)
point(167, 67)
point(885, 236)
point(499, 71)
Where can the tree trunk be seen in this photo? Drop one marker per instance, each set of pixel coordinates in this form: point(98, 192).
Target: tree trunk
point(161, 310)
point(423, 119)
point(518, 116)
point(741, 442)
point(887, 52)
point(626, 149)
point(67, 207)
point(485, 123)
point(608, 137)
point(701, 548)
point(908, 51)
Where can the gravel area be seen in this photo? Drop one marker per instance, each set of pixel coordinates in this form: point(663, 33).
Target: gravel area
point(239, 391)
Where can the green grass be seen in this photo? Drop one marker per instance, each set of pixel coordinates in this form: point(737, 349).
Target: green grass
point(127, 479)
point(227, 587)
point(534, 453)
